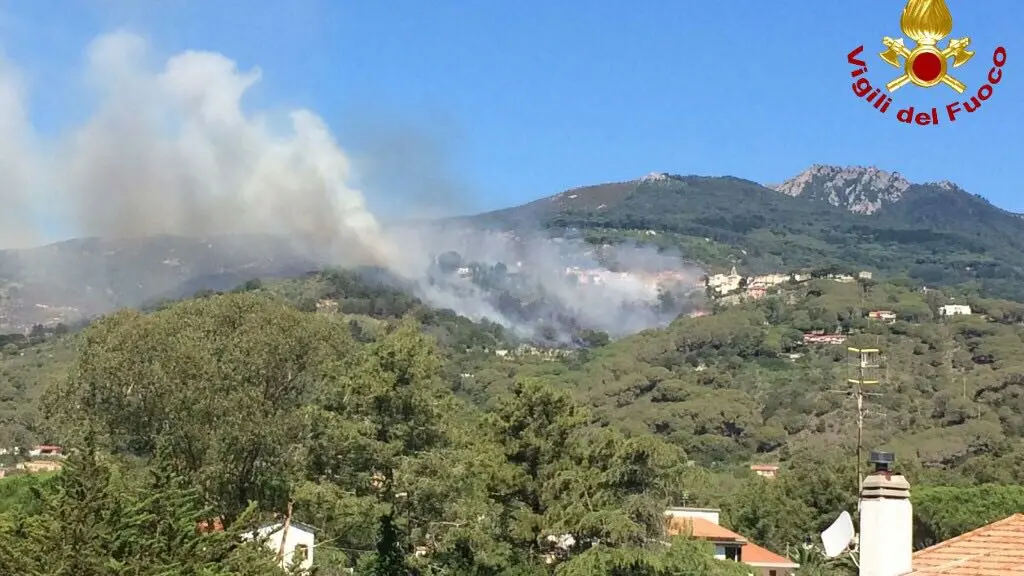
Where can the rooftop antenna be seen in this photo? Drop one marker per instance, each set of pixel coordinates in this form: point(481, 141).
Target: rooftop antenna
point(863, 373)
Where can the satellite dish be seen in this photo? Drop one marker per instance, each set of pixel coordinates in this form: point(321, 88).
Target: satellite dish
point(837, 537)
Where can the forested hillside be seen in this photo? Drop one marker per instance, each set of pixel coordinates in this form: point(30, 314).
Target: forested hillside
point(393, 428)
point(81, 278)
point(935, 233)
point(236, 399)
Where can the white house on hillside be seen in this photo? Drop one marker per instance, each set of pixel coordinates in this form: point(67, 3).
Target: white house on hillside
point(298, 543)
point(955, 310)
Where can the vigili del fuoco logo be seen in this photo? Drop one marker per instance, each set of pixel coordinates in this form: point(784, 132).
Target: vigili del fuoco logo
point(926, 65)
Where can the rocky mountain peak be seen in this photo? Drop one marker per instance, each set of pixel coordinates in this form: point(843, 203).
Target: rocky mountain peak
point(655, 177)
point(859, 189)
point(947, 185)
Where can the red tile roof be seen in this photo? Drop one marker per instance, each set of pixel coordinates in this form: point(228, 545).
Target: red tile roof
point(750, 553)
point(754, 555)
point(207, 526)
point(702, 529)
point(993, 550)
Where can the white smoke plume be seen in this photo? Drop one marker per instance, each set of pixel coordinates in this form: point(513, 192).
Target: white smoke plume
point(568, 283)
point(170, 149)
point(173, 152)
point(18, 157)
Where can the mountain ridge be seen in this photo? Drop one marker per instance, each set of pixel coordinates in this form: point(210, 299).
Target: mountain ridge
point(71, 280)
point(859, 189)
point(853, 216)
point(936, 233)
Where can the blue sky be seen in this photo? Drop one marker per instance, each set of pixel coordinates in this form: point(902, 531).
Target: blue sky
point(510, 101)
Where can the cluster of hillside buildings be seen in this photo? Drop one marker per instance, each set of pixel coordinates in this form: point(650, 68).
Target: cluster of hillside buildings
point(737, 287)
point(42, 458)
point(18, 314)
point(733, 287)
point(530, 350)
point(466, 272)
point(886, 316)
point(649, 280)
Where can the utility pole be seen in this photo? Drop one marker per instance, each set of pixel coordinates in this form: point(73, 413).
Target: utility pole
point(279, 557)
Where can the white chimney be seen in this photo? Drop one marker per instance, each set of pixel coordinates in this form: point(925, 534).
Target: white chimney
point(886, 521)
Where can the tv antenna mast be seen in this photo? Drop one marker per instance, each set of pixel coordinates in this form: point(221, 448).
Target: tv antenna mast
point(863, 373)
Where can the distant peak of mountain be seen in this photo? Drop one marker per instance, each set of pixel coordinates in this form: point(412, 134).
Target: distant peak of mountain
point(947, 185)
point(656, 177)
point(859, 189)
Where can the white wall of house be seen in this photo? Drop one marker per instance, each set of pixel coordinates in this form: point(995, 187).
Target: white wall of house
point(709, 514)
point(298, 536)
point(955, 310)
point(772, 571)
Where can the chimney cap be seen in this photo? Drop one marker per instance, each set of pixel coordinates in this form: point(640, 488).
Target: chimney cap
point(880, 457)
point(882, 461)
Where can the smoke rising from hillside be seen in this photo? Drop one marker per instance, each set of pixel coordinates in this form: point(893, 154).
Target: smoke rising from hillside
point(17, 159)
point(169, 149)
point(173, 152)
point(560, 283)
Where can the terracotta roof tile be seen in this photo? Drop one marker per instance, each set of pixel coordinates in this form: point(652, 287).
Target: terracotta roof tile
point(750, 553)
point(703, 529)
point(754, 555)
point(207, 526)
point(993, 550)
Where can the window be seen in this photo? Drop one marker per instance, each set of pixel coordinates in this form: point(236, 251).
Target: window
point(732, 553)
point(773, 573)
point(300, 554)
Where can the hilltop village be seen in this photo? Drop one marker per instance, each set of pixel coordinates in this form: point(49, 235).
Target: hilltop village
point(732, 287)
